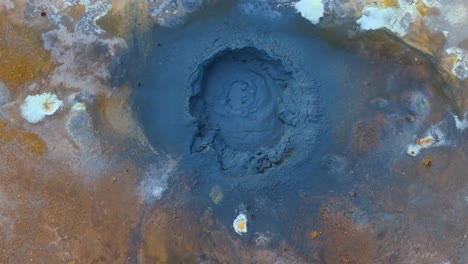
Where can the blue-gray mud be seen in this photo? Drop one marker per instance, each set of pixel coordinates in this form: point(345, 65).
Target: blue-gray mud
point(298, 130)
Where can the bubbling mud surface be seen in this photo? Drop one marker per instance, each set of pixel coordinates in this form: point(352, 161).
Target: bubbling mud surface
point(245, 109)
point(238, 96)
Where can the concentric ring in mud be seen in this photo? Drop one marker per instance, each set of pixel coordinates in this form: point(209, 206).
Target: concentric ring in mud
point(245, 107)
point(239, 94)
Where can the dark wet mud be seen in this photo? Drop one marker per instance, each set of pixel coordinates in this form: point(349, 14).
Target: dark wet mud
point(307, 134)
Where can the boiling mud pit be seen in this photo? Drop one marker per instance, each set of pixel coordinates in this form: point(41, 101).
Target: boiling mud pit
point(240, 112)
point(231, 132)
point(248, 103)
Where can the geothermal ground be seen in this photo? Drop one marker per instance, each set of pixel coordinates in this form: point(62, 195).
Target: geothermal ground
point(232, 132)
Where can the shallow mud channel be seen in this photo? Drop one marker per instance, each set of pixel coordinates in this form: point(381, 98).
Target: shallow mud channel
point(307, 134)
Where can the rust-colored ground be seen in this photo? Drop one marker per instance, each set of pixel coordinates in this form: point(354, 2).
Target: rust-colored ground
point(50, 215)
point(22, 56)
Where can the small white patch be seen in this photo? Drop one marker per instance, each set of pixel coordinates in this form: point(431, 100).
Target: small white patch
point(240, 224)
point(376, 18)
point(155, 181)
point(157, 192)
point(460, 67)
point(461, 124)
point(36, 107)
point(312, 10)
point(78, 107)
point(413, 150)
point(397, 20)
